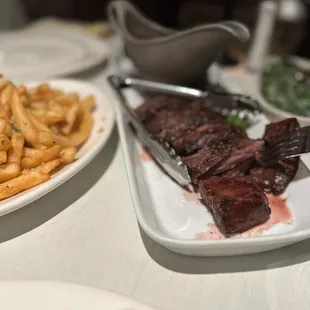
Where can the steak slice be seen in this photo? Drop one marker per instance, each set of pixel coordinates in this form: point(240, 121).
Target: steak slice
point(240, 170)
point(156, 103)
point(170, 118)
point(236, 204)
point(277, 177)
point(274, 131)
point(242, 150)
point(272, 180)
point(196, 139)
point(224, 152)
point(208, 158)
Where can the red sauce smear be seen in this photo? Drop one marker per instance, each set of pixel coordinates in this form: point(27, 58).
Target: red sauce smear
point(212, 233)
point(280, 213)
point(145, 156)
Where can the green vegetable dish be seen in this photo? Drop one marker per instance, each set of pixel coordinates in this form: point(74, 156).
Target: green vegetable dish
point(287, 87)
point(243, 123)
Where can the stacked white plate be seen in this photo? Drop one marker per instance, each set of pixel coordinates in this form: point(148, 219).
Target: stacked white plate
point(49, 53)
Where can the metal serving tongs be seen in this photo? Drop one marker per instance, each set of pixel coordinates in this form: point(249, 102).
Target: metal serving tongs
point(164, 155)
point(241, 106)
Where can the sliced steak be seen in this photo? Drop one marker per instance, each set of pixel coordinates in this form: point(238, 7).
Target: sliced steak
point(272, 180)
point(240, 170)
point(154, 104)
point(170, 118)
point(204, 162)
point(196, 139)
point(242, 150)
point(223, 152)
point(236, 204)
point(277, 177)
point(274, 131)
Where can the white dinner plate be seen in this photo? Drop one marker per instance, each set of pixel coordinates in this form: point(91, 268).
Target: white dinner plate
point(37, 295)
point(102, 128)
point(49, 54)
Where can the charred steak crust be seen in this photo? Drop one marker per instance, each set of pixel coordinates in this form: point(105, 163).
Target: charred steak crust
point(236, 204)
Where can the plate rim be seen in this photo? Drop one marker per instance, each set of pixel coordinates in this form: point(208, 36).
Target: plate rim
point(41, 190)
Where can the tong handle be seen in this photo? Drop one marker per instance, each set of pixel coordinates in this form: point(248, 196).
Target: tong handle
point(239, 101)
point(116, 82)
point(142, 133)
point(161, 152)
point(156, 87)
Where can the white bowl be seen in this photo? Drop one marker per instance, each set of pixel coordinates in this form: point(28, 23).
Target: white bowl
point(275, 114)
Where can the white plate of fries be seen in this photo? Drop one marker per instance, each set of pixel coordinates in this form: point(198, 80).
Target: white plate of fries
point(48, 132)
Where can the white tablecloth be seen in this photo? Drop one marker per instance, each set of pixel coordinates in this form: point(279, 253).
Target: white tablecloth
point(86, 232)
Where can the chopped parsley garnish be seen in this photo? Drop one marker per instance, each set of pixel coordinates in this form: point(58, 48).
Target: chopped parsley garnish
point(15, 128)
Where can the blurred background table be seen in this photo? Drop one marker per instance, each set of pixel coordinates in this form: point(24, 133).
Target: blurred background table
point(86, 232)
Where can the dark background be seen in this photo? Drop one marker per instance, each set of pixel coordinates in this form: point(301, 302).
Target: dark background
point(181, 14)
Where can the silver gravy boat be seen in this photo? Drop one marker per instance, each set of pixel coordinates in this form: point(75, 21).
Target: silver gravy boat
point(176, 57)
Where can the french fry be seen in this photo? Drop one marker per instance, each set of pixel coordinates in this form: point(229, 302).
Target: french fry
point(3, 123)
point(61, 140)
point(88, 103)
point(56, 107)
point(67, 155)
point(25, 101)
point(43, 88)
point(3, 84)
point(84, 130)
point(5, 143)
point(22, 89)
point(47, 138)
point(55, 128)
point(57, 92)
point(5, 126)
point(39, 105)
point(23, 122)
point(3, 111)
point(40, 157)
point(3, 157)
point(49, 166)
point(8, 130)
point(49, 117)
point(24, 96)
point(22, 183)
point(37, 97)
point(9, 171)
point(16, 151)
point(70, 119)
point(67, 99)
point(28, 152)
point(5, 98)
